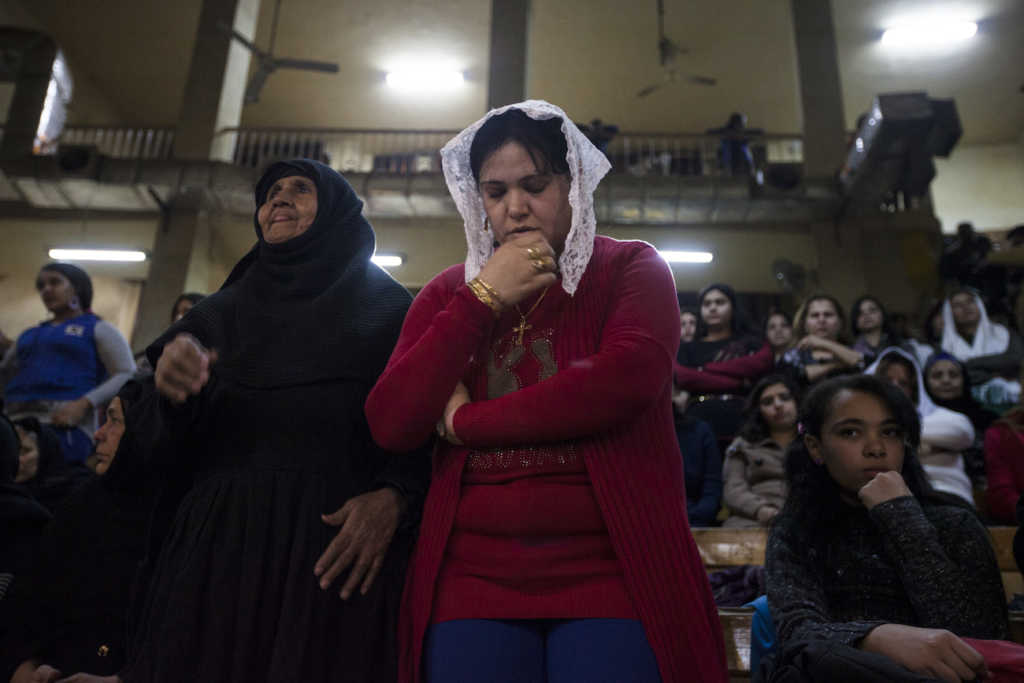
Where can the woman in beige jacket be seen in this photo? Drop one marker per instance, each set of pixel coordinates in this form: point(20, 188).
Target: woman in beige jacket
point(754, 470)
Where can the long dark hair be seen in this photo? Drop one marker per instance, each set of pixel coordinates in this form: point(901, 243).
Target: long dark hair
point(542, 139)
point(739, 323)
point(814, 503)
point(855, 313)
point(754, 429)
point(800, 320)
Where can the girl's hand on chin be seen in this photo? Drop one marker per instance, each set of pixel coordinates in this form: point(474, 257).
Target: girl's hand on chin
point(885, 486)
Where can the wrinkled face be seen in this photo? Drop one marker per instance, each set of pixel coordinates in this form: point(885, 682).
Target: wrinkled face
point(289, 209)
point(55, 290)
point(180, 309)
point(688, 326)
point(869, 317)
point(823, 319)
point(778, 407)
point(945, 381)
point(859, 439)
point(899, 376)
point(28, 456)
point(778, 332)
point(108, 437)
point(965, 310)
point(519, 197)
point(716, 309)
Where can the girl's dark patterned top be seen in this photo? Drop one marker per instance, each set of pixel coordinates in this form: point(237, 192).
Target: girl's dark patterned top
point(930, 566)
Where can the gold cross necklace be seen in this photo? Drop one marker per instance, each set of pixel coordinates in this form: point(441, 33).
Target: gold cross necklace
point(523, 326)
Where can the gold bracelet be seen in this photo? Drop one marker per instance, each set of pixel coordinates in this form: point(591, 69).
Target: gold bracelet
point(491, 290)
point(485, 293)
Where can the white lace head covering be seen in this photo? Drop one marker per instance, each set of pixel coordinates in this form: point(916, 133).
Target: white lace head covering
point(587, 165)
point(990, 338)
point(925, 405)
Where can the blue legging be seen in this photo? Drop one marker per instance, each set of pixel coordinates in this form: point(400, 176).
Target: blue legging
point(539, 651)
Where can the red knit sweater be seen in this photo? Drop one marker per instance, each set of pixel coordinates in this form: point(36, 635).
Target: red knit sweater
point(614, 342)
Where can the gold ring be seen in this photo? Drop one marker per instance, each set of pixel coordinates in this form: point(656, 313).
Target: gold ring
point(537, 264)
point(532, 253)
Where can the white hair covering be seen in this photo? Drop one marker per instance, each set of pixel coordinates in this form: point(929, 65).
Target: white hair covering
point(989, 339)
point(587, 165)
point(925, 405)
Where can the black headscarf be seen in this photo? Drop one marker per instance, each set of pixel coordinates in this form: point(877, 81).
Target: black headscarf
point(980, 417)
point(55, 479)
point(309, 309)
point(79, 280)
point(125, 477)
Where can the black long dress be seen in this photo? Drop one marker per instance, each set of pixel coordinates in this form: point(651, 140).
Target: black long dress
point(276, 438)
point(234, 597)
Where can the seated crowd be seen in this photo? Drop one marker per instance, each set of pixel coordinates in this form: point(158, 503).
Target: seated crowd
point(198, 516)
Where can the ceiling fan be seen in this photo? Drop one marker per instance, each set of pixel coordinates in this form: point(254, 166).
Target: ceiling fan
point(267, 63)
point(668, 51)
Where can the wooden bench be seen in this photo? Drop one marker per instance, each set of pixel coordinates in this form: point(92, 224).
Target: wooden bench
point(722, 548)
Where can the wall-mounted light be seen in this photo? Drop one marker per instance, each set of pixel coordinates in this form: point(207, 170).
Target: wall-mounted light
point(420, 77)
point(119, 255)
point(928, 33)
point(686, 256)
point(388, 260)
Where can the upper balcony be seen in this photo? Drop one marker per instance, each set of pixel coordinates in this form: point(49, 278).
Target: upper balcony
point(656, 178)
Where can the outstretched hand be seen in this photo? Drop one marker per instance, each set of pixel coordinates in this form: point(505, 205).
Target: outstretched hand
point(368, 523)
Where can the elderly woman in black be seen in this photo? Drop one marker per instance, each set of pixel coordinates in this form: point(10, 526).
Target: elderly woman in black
point(264, 384)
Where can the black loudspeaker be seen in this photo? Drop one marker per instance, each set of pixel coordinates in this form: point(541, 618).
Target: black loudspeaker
point(946, 129)
point(892, 151)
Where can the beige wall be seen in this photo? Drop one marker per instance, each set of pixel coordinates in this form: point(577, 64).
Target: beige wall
point(25, 245)
point(983, 184)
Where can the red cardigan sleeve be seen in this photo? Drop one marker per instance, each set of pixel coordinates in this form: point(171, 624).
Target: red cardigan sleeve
point(751, 367)
point(1000, 448)
point(696, 381)
point(439, 336)
point(624, 377)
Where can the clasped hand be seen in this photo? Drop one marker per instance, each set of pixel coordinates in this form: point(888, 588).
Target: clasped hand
point(184, 368)
point(524, 264)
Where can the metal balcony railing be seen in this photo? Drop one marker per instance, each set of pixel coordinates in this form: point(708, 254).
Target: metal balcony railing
point(407, 152)
point(123, 143)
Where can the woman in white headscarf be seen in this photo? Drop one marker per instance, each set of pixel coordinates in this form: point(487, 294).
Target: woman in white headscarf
point(554, 544)
point(992, 353)
point(944, 433)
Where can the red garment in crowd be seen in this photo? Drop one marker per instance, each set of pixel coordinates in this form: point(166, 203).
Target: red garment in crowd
point(612, 345)
point(1004, 466)
point(726, 376)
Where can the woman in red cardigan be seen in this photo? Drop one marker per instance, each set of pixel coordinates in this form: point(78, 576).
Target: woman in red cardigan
point(554, 544)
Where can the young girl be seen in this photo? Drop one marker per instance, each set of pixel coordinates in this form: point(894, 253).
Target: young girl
point(724, 359)
point(778, 332)
point(866, 555)
point(870, 326)
point(754, 472)
point(945, 434)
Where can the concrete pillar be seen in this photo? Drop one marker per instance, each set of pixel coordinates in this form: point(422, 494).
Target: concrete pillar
point(180, 262)
point(506, 80)
point(840, 260)
point(820, 88)
point(216, 81)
